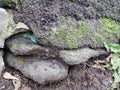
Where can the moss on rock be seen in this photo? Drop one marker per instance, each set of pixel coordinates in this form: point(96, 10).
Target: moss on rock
point(92, 33)
point(69, 36)
point(108, 30)
point(111, 27)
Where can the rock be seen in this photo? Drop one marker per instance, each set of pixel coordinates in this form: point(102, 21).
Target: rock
point(91, 33)
point(42, 71)
point(3, 26)
point(79, 9)
point(73, 57)
point(107, 8)
point(21, 27)
point(72, 23)
point(1, 62)
point(8, 26)
point(84, 33)
point(21, 45)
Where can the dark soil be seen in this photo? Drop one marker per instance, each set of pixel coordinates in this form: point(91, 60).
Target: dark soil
point(81, 77)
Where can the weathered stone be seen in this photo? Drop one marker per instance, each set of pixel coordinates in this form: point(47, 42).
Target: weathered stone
point(73, 57)
point(70, 23)
point(8, 26)
point(92, 33)
point(21, 45)
point(1, 62)
point(21, 27)
point(42, 71)
point(3, 26)
point(48, 12)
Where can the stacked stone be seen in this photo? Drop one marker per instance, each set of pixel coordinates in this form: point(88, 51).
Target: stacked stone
point(42, 64)
point(56, 39)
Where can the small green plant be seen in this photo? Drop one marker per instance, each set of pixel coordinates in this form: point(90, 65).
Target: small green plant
point(31, 37)
point(114, 63)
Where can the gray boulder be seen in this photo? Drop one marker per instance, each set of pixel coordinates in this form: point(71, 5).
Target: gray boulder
point(20, 45)
point(8, 26)
point(3, 26)
point(1, 62)
point(71, 23)
point(73, 57)
point(41, 71)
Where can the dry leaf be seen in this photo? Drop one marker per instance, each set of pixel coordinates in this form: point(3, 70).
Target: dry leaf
point(109, 57)
point(17, 84)
point(100, 61)
point(99, 66)
point(7, 75)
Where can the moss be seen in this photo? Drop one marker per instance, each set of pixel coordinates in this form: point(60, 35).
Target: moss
point(111, 27)
point(110, 24)
point(70, 36)
point(98, 36)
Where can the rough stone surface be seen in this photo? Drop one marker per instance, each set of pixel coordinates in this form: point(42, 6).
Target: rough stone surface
point(73, 57)
point(42, 71)
point(49, 18)
point(20, 45)
point(3, 26)
point(7, 26)
point(49, 11)
point(1, 62)
point(91, 33)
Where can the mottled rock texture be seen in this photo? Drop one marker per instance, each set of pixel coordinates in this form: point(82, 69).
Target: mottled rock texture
point(70, 23)
point(3, 26)
point(42, 71)
point(21, 45)
point(73, 57)
point(59, 31)
point(2, 67)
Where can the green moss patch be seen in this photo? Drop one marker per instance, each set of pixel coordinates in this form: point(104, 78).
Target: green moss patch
point(108, 30)
point(70, 36)
point(111, 27)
